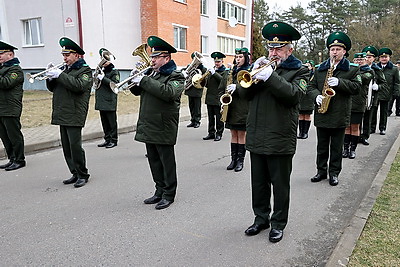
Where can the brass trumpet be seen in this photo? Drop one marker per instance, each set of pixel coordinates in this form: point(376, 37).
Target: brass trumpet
point(199, 81)
point(40, 76)
point(245, 78)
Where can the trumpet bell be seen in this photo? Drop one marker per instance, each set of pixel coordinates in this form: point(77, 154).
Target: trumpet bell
point(244, 78)
point(197, 81)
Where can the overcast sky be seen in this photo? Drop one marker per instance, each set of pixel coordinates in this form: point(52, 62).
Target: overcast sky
point(285, 4)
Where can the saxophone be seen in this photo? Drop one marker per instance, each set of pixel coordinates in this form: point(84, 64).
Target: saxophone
point(226, 98)
point(327, 91)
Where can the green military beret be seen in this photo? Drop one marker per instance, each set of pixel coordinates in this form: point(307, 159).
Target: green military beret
point(310, 61)
point(241, 50)
point(159, 46)
point(217, 56)
point(360, 55)
point(371, 51)
point(69, 46)
point(385, 51)
point(279, 34)
point(339, 39)
point(4, 47)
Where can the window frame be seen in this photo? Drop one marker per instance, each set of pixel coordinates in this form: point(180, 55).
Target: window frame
point(177, 41)
point(32, 32)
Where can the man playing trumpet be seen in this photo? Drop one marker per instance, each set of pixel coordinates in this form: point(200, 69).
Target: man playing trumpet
point(272, 127)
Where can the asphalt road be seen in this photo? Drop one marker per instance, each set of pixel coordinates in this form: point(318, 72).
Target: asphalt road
point(43, 222)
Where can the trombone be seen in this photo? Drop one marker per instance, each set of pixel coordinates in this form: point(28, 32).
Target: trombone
point(245, 78)
point(40, 76)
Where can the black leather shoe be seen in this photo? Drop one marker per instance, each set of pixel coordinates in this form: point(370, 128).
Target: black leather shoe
point(196, 125)
point(333, 180)
point(365, 142)
point(256, 229)
point(71, 180)
point(190, 124)
point(15, 166)
point(318, 178)
point(372, 131)
point(209, 137)
point(104, 144)
point(217, 138)
point(275, 235)
point(8, 164)
point(80, 182)
point(152, 200)
point(163, 204)
point(382, 132)
point(111, 145)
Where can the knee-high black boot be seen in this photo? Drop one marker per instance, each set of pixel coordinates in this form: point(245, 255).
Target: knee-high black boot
point(240, 157)
point(234, 151)
point(301, 127)
point(306, 127)
point(353, 146)
point(346, 146)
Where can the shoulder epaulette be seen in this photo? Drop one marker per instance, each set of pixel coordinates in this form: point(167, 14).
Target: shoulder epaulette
point(353, 64)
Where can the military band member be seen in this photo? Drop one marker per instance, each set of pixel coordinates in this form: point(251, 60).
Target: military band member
point(394, 76)
point(160, 92)
point(71, 91)
point(214, 91)
point(106, 103)
point(238, 109)
point(272, 128)
point(306, 107)
point(345, 80)
point(11, 92)
point(358, 106)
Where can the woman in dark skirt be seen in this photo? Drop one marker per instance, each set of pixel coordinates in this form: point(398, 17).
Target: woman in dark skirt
point(237, 112)
point(306, 107)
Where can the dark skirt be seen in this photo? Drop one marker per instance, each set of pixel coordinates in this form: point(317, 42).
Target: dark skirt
point(237, 127)
point(308, 112)
point(356, 117)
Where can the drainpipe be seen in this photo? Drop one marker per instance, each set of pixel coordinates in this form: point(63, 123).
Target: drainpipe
point(251, 27)
point(80, 34)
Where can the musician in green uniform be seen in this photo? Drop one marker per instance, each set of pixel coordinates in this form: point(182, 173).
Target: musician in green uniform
point(272, 128)
point(214, 91)
point(306, 107)
point(11, 81)
point(238, 109)
point(71, 91)
point(106, 103)
point(358, 107)
point(393, 76)
point(160, 90)
point(331, 118)
point(378, 84)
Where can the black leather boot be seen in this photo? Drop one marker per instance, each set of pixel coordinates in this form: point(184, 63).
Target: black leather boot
point(301, 126)
point(353, 146)
point(240, 157)
point(234, 148)
point(346, 146)
point(306, 127)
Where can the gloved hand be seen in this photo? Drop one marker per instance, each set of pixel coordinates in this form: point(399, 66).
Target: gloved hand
point(264, 74)
point(333, 81)
point(133, 72)
point(50, 65)
point(231, 88)
point(100, 76)
point(375, 87)
point(211, 70)
point(54, 73)
point(260, 61)
point(185, 74)
point(137, 79)
point(318, 99)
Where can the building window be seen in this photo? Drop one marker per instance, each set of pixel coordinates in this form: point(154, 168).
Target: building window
point(204, 44)
point(227, 10)
point(228, 45)
point(180, 37)
point(181, 1)
point(204, 7)
point(33, 31)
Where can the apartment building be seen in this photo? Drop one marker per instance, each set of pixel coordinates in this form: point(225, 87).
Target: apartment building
point(35, 27)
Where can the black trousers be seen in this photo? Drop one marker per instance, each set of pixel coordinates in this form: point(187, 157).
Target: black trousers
point(383, 107)
point(267, 170)
point(74, 155)
point(215, 125)
point(12, 138)
point(391, 102)
point(329, 146)
point(195, 109)
point(110, 126)
point(366, 124)
point(163, 169)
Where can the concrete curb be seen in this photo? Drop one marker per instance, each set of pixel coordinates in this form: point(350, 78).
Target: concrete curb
point(348, 240)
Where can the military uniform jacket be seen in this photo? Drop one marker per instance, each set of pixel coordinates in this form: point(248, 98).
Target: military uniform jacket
point(71, 92)
point(160, 98)
point(193, 91)
point(273, 109)
point(380, 80)
point(338, 113)
point(306, 102)
point(11, 92)
point(106, 99)
point(359, 102)
point(391, 73)
point(238, 109)
point(214, 91)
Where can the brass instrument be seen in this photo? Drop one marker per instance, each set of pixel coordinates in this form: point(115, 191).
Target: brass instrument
point(327, 91)
point(245, 78)
point(226, 98)
point(40, 76)
point(142, 66)
point(192, 69)
point(105, 56)
point(199, 81)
